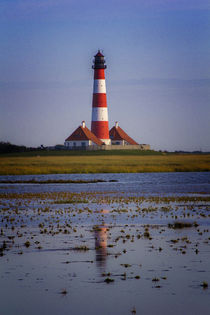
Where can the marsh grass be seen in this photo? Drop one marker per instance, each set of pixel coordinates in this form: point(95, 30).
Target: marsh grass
point(103, 164)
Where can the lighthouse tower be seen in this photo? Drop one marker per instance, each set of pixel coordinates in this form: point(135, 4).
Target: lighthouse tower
point(100, 123)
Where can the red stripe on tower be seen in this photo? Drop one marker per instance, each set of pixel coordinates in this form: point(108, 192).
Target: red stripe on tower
point(100, 123)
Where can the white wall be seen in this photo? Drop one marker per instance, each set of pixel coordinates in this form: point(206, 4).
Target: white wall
point(77, 143)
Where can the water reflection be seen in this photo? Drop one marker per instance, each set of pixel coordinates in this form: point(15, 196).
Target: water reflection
point(101, 246)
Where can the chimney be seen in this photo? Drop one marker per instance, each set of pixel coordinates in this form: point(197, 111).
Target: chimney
point(116, 124)
point(83, 124)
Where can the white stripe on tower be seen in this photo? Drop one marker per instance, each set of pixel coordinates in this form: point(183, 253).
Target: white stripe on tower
point(100, 123)
point(99, 114)
point(99, 86)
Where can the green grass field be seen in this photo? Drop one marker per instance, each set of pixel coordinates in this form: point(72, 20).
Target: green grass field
point(37, 164)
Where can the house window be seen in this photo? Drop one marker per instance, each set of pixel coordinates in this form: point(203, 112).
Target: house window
point(83, 144)
point(74, 144)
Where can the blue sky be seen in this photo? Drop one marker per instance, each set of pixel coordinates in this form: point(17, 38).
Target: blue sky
point(157, 77)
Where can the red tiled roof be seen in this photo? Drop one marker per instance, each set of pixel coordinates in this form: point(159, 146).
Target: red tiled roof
point(119, 134)
point(83, 134)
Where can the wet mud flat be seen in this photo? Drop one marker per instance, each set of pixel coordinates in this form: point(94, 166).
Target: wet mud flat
point(104, 253)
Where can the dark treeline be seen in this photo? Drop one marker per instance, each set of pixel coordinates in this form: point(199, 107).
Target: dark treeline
point(7, 147)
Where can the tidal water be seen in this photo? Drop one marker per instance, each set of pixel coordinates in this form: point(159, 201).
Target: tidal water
point(140, 183)
point(115, 252)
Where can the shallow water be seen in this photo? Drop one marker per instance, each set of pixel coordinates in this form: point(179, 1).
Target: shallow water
point(139, 183)
point(75, 246)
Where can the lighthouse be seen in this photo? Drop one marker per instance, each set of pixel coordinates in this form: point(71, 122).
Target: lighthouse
point(100, 123)
point(100, 137)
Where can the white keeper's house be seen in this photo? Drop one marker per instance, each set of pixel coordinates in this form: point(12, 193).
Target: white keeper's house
point(82, 137)
point(119, 136)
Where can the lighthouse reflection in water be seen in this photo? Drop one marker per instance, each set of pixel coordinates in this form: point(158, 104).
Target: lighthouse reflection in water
point(101, 243)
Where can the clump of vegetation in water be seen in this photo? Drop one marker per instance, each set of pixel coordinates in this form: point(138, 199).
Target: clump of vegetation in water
point(126, 265)
point(204, 284)
point(108, 280)
point(63, 292)
point(182, 225)
point(146, 233)
point(81, 248)
point(155, 279)
point(27, 244)
point(71, 201)
point(133, 311)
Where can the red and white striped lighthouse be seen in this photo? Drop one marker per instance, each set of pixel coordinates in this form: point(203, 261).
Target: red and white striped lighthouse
point(100, 123)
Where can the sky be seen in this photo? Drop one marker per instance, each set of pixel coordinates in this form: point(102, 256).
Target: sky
point(158, 69)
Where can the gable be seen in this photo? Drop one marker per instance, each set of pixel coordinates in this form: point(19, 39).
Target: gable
point(83, 133)
point(119, 134)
